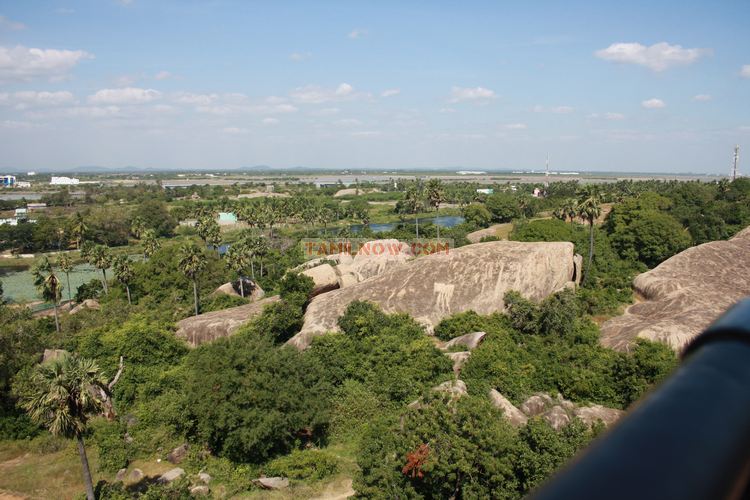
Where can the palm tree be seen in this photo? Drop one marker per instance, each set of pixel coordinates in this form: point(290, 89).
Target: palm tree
point(414, 200)
point(238, 260)
point(124, 273)
point(48, 284)
point(192, 263)
point(150, 243)
point(137, 227)
point(100, 257)
point(589, 208)
point(570, 209)
point(79, 229)
point(62, 395)
point(435, 196)
point(66, 265)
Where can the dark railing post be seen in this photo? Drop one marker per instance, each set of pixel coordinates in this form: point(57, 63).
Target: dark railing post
point(687, 439)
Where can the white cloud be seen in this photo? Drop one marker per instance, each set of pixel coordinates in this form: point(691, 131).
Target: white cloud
point(31, 97)
point(447, 110)
point(653, 104)
point(477, 94)
point(195, 99)
point(15, 125)
point(21, 63)
point(516, 126)
point(608, 116)
point(702, 97)
point(300, 56)
point(326, 112)
point(366, 133)
point(357, 33)
point(7, 24)
point(560, 110)
point(745, 71)
point(270, 121)
point(127, 95)
point(235, 130)
point(657, 57)
point(390, 92)
point(163, 75)
point(348, 122)
point(313, 94)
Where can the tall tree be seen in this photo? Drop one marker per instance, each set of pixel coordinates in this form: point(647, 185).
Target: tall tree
point(150, 243)
point(209, 231)
point(79, 229)
point(589, 208)
point(238, 260)
point(436, 195)
point(137, 227)
point(65, 263)
point(191, 263)
point(124, 273)
point(49, 286)
point(101, 258)
point(62, 394)
point(414, 201)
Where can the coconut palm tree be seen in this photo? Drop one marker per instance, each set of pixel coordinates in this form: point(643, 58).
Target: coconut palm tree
point(62, 394)
point(238, 260)
point(150, 243)
point(65, 263)
point(192, 262)
point(48, 284)
point(124, 273)
point(589, 208)
point(101, 258)
point(435, 196)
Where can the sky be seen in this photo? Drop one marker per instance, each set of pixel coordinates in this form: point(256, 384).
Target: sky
point(637, 86)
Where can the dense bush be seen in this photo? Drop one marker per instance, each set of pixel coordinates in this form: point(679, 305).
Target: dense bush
point(459, 324)
point(311, 465)
point(109, 438)
point(249, 400)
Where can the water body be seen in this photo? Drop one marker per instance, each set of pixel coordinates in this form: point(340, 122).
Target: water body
point(442, 221)
point(18, 285)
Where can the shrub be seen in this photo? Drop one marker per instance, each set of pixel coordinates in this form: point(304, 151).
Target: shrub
point(219, 301)
point(91, 290)
point(306, 465)
point(109, 437)
point(459, 324)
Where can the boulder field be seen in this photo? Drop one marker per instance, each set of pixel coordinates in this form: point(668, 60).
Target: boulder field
point(681, 296)
point(431, 288)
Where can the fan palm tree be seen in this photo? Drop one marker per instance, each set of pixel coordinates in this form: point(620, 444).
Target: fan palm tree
point(101, 258)
point(62, 395)
point(79, 229)
point(124, 273)
point(48, 284)
point(435, 196)
point(191, 263)
point(150, 243)
point(570, 209)
point(414, 201)
point(137, 227)
point(238, 260)
point(589, 208)
point(65, 264)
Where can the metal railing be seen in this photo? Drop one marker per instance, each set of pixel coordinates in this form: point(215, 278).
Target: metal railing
point(687, 439)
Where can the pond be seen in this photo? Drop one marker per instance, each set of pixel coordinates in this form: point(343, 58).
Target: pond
point(442, 221)
point(18, 285)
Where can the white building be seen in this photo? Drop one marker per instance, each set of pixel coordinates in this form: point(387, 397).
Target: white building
point(63, 181)
point(485, 191)
point(23, 184)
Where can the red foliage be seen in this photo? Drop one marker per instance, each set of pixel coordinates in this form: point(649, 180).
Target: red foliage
point(415, 460)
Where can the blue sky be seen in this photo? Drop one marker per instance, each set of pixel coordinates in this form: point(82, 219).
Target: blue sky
point(620, 86)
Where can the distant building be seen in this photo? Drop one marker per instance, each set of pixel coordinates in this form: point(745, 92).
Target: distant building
point(64, 181)
point(537, 193)
point(30, 174)
point(471, 172)
point(227, 218)
point(21, 213)
point(8, 180)
point(35, 206)
point(23, 184)
point(485, 191)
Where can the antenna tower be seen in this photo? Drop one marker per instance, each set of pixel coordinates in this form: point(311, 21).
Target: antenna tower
point(546, 173)
point(736, 162)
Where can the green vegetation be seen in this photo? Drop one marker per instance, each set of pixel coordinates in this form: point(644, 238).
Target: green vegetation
point(356, 405)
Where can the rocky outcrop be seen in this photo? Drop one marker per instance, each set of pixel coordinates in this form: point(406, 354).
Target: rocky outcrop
point(217, 324)
point(455, 388)
point(510, 412)
point(469, 341)
point(324, 278)
point(178, 454)
point(430, 288)
point(459, 360)
point(354, 192)
point(272, 483)
point(559, 412)
point(684, 294)
point(171, 475)
point(252, 290)
point(86, 304)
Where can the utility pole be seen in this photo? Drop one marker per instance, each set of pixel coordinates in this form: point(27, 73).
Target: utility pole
point(736, 162)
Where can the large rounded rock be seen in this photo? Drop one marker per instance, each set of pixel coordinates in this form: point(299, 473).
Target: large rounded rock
point(375, 257)
point(684, 294)
point(590, 415)
point(459, 360)
point(513, 414)
point(431, 288)
point(92, 304)
point(470, 340)
point(272, 483)
point(324, 277)
point(171, 475)
point(196, 330)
